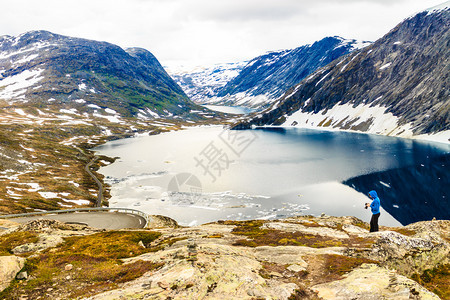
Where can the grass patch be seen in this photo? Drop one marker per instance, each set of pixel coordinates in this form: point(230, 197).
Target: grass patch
point(362, 225)
point(111, 244)
point(404, 231)
point(96, 266)
point(258, 236)
point(338, 265)
point(214, 236)
point(436, 280)
point(11, 240)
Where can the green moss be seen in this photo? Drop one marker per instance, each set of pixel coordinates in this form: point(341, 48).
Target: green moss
point(436, 280)
point(96, 266)
point(12, 240)
point(339, 264)
point(404, 231)
point(111, 244)
point(256, 236)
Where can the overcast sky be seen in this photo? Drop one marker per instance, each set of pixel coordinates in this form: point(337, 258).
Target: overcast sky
point(205, 32)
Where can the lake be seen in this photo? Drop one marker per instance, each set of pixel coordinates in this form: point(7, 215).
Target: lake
point(205, 174)
point(237, 110)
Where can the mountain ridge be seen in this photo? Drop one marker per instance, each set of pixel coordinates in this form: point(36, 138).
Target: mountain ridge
point(203, 83)
point(267, 77)
point(39, 66)
point(396, 86)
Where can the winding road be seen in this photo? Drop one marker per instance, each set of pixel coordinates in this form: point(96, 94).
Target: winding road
point(101, 220)
point(99, 183)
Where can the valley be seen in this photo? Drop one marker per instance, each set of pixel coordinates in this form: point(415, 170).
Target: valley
point(241, 180)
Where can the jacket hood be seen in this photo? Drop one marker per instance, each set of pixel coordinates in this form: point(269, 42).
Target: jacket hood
point(373, 194)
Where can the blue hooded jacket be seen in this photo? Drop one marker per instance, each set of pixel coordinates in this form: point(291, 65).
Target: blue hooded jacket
point(375, 205)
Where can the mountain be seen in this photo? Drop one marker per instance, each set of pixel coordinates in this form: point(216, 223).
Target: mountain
point(267, 77)
point(203, 83)
point(40, 68)
point(396, 86)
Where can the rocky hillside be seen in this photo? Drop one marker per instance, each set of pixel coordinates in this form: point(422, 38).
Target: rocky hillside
point(61, 96)
point(397, 86)
point(267, 77)
point(203, 83)
point(297, 258)
point(42, 69)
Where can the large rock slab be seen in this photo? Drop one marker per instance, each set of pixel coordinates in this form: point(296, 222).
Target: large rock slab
point(9, 267)
point(371, 282)
point(321, 230)
point(211, 272)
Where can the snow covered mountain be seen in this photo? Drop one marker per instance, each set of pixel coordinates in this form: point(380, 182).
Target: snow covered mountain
point(267, 77)
point(397, 86)
point(41, 69)
point(203, 83)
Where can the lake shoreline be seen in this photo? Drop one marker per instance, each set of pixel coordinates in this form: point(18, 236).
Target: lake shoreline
point(259, 193)
point(423, 137)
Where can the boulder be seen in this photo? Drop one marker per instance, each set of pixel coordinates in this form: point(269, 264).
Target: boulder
point(45, 241)
point(408, 255)
point(22, 275)
point(322, 231)
point(10, 266)
point(371, 282)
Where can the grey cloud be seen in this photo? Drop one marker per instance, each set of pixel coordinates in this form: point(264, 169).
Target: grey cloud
point(238, 10)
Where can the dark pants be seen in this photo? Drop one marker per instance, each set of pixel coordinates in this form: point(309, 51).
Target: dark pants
point(374, 222)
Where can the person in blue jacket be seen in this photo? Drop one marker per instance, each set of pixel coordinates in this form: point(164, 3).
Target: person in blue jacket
point(375, 208)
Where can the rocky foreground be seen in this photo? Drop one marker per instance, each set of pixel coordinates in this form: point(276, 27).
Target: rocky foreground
point(297, 258)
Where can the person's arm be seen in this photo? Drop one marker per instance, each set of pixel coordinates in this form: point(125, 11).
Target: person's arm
point(369, 204)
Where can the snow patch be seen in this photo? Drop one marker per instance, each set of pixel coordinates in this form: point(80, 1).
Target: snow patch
point(20, 111)
point(74, 183)
point(110, 111)
point(94, 106)
point(72, 111)
point(48, 195)
point(440, 137)
point(385, 184)
point(25, 59)
point(243, 99)
point(16, 85)
point(345, 115)
point(112, 119)
point(322, 78)
point(78, 202)
point(293, 92)
point(385, 66)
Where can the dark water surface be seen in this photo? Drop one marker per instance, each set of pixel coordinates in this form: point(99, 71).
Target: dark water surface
point(206, 174)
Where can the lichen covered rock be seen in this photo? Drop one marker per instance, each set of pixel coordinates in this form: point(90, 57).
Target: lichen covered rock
point(371, 282)
point(9, 267)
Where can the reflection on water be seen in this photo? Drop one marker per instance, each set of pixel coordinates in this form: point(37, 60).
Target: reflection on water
point(279, 173)
point(414, 193)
